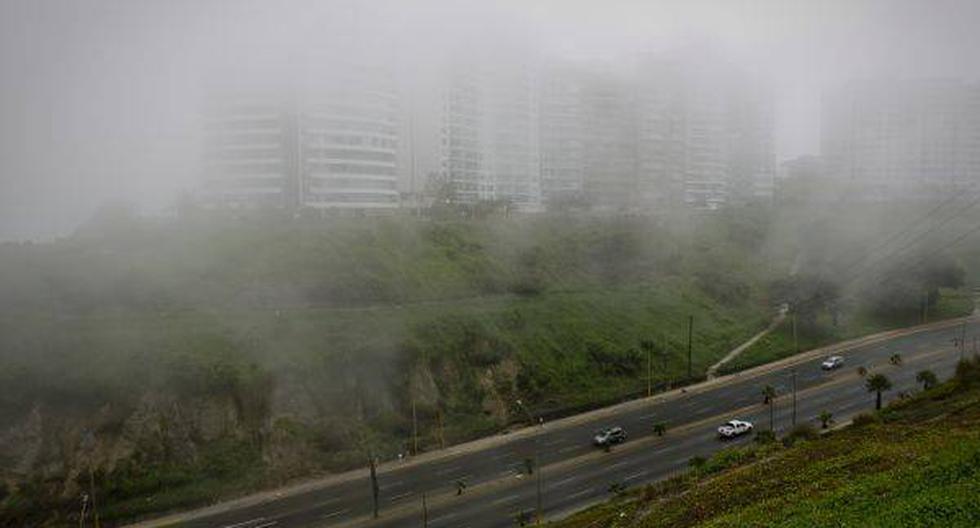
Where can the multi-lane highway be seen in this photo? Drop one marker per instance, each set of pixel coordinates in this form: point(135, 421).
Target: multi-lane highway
point(574, 474)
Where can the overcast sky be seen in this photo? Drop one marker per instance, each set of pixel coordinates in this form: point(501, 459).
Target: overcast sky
point(99, 98)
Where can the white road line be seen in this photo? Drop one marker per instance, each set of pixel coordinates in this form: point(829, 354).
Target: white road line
point(448, 470)
point(336, 513)
point(245, 523)
point(392, 485)
point(400, 496)
point(635, 475)
point(619, 464)
point(563, 482)
point(509, 498)
point(567, 449)
point(443, 518)
point(267, 525)
point(579, 494)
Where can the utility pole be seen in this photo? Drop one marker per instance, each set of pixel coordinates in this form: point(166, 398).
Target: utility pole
point(649, 371)
point(442, 430)
point(796, 340)
point(375, 489)
point(537, 460)
point(415, 427)
point(425, 513)
point(962, 343)
point(91, 485)
point(794, 397)
point(690, 337)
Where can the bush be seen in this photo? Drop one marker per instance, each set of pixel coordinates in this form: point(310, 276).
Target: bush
point(864, 419)
point(800, 432)
point(765, 436)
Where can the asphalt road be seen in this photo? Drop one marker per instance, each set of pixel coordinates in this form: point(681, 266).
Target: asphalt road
point(573, 473)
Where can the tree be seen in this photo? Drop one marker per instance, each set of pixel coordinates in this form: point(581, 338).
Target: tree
point(895, 359)
point(826, 417)
point(769, 394)
point(877, 384)
point(927, 378)
point(660, 428)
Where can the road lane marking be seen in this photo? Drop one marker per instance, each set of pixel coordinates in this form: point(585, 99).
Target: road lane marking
point(563, 482)
point(392, 485)
point(567, 449)
point(634, 475)
point(267, 525)
point(336, 513)
point(245, 523)
point(579, 494)
point(400, 496)
point(443, 518)
point(509, 498)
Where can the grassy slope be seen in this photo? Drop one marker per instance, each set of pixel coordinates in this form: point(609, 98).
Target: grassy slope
point(918, 464)
point(550, 312)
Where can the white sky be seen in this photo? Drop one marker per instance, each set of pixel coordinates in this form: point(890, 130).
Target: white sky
point(98, 98)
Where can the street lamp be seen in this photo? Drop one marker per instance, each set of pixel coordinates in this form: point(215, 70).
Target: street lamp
point(537, 459)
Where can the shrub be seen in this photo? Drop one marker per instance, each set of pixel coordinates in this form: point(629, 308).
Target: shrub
point(765, 436)
point(800, 432)
point(864, 419)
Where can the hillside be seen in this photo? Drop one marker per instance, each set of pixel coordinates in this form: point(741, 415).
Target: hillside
point(180, 363)
point(189, 363)
point(916, 463)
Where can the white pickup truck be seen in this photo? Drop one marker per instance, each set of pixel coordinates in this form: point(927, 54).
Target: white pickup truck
point(734, 428)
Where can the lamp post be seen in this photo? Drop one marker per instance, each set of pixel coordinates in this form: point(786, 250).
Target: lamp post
point(537, 460)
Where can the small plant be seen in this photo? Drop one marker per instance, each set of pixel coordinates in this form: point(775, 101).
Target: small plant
point(826, 418)
point(765, 437)
point(617, 488)
point(895, 359)
point(660, 428)
point(862, 372)
point(697, 462)
point(927, 378)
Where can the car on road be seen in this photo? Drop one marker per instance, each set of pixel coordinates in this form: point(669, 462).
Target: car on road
point(609, 436)
point(832, 362)
point(734, 428)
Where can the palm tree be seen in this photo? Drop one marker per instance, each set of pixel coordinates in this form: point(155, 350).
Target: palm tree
point(825, 418)
point(877, 384)
point(927, 378)
point(895, 359)
point(769, 394)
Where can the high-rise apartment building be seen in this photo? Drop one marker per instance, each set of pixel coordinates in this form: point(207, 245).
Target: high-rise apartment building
point(490, 133)
point(324, 145)
point(902, 139)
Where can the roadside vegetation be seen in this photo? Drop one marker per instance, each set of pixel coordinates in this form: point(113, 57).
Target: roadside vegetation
point(175, 364)
point(915, 463)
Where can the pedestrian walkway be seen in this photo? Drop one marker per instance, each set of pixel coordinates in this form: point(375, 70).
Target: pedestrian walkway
point(780, 317)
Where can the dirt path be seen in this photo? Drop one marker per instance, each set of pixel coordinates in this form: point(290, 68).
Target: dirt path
point(780, 317)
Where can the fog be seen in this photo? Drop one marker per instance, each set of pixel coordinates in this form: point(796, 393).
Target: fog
point(100, 100)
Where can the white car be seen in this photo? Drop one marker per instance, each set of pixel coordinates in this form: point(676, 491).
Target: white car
point(612, 435)
point(734, 428)
point(832, 362)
